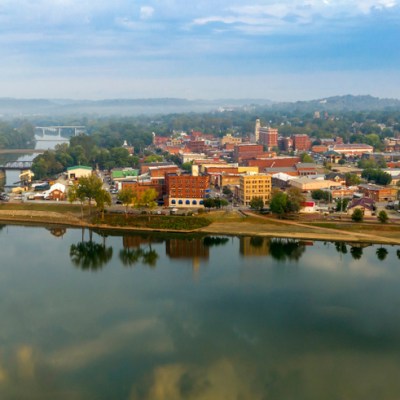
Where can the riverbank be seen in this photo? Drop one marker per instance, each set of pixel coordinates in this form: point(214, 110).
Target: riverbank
point(232, 223)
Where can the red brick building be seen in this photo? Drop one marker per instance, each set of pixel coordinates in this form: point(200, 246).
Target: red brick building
point(268, 137)
point(185, 190)
point(301, 142)
point(246, 151)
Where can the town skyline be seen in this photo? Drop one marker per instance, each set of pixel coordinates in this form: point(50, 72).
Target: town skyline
point(285, 51)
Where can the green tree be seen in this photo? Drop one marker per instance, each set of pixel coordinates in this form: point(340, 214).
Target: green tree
point(341, 204)
point(358, 215)
point(209, 203)
point(383, 217)
point(127, 197)
point(147, 199)
point(89, 187)
point(278, 203)
point(306, 158)
point(75, 194)
point(352, 179)
point(257, 203)
point(294, 199)
point(102, 198)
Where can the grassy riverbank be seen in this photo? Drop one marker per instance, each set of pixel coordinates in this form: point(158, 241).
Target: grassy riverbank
point(220, 222)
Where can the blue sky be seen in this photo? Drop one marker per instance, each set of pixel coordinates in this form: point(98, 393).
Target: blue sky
point(272, 49)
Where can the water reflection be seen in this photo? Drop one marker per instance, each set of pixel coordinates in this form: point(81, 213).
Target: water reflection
point(90, 255)
point(211, 241)
point(286, 249)
point(381, 253)
point(254, 246)
point(356, 252)
point(329, 331)
point(134, 250)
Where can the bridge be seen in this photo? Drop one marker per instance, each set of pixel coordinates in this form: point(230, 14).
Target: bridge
point(60, 131)
point(17, 165)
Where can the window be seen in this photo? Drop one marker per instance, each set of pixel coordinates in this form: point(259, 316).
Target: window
point(194, 202)
point(187, 202)
point(173, 201)
point(201, 202)
point(180, 202)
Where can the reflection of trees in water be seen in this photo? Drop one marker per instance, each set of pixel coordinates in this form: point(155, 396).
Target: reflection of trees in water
point(130, 256)
point(286, 249)
point(210, 241)
point(356, 252)
point(90, 255)
point(341, 247)
point(381, 253)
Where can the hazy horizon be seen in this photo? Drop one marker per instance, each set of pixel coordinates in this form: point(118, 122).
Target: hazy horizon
point(284, 50)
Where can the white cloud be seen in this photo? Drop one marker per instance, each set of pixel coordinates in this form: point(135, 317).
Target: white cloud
point(146, 12)
point(295, 12)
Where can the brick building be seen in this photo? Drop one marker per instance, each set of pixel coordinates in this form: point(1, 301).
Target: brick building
point(378, 193)
point(301, 142)
point(185, 190)
point(268, 137)
point(246, 151)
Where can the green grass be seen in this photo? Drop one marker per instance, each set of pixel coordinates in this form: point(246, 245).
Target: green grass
point(60, 208)
point(174, 222)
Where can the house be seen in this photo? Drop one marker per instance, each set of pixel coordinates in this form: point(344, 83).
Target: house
point(365, 204)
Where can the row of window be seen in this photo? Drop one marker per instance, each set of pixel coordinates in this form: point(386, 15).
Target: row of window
point(187, 202)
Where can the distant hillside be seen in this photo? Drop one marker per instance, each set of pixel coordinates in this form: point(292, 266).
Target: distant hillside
point(11, 107)
point(341, 103)
point(30, 107)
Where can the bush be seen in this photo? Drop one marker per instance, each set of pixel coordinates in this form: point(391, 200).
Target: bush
point(358, 215)
point(383, 217)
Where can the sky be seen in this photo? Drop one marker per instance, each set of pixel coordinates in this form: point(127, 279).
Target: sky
point(282, 50)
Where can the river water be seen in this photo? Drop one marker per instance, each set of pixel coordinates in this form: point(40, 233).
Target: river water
point(42, 142)
point(159, 317)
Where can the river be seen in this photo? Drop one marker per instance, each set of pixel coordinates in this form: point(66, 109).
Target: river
point(42, 142)
point(85, 316)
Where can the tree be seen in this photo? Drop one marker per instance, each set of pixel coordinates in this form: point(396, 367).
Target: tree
point(358, 215)
point(319, 194)
point(257, 203)
point(278, 202)
point(306, 158)
point(294, 199)
point(102, 198)
point(383, 217)
point(352, 179)
point(89, 187)
point(147, 199)
point(74, 194)
point(209, 203)
point(341, 204)
point(127, 197)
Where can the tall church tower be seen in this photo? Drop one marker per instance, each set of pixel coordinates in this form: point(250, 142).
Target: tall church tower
point(257, 130)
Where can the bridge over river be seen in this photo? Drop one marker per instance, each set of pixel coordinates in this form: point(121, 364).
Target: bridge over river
point(17, 165)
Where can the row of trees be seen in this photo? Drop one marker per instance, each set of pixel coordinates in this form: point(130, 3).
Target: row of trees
point(131, 198)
